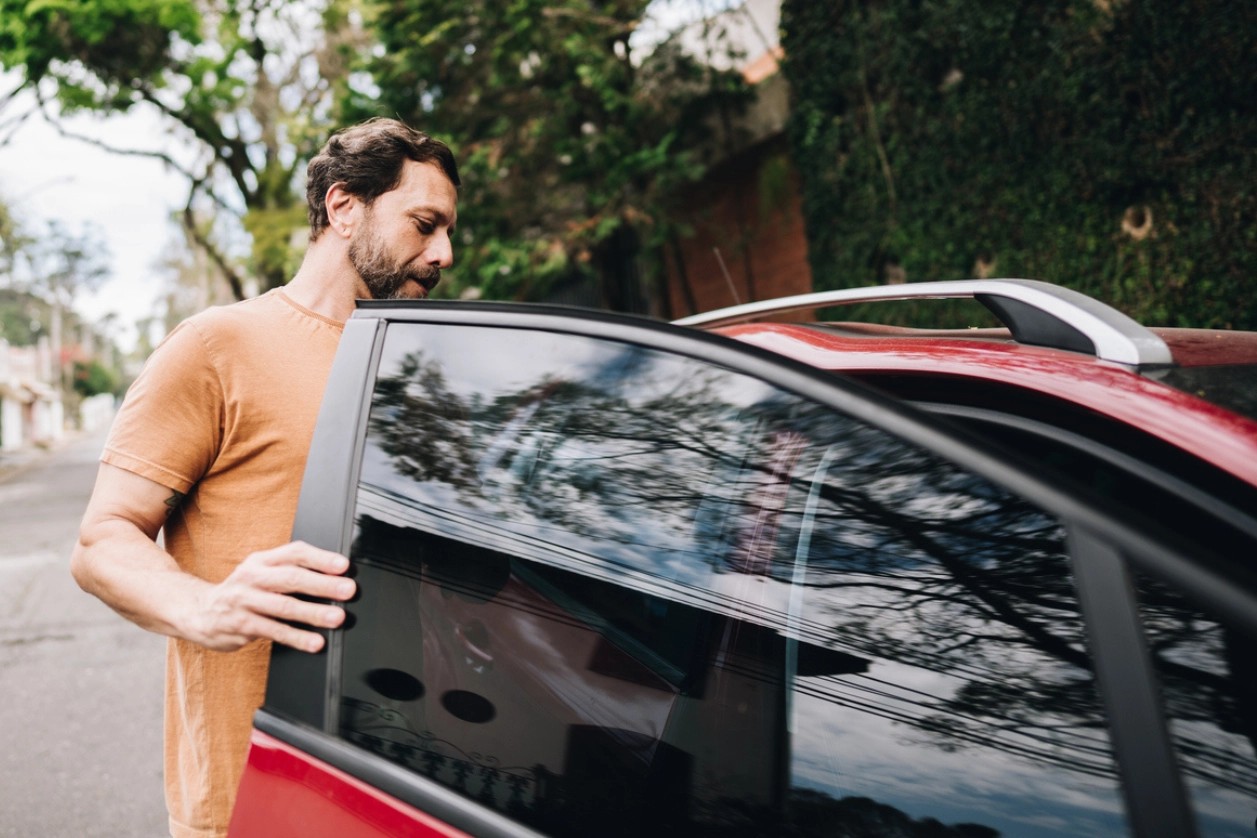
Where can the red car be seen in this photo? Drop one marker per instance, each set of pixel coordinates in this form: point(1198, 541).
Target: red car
point(621, 577)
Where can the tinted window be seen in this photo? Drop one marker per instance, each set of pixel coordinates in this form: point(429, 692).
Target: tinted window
point(1208, 669)
point(608, 590)
point(1208, 675)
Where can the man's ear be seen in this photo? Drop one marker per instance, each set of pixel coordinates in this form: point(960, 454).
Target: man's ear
point(342, 210)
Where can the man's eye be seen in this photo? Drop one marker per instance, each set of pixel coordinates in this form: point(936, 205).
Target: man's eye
point(425, 227)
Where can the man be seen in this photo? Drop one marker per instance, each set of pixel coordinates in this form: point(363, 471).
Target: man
point(210, 446)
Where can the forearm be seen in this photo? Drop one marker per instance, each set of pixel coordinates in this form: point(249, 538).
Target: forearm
point(267, 594)
point(122, 566)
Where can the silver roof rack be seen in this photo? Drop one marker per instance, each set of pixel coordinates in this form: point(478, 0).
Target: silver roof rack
point(1035, 312)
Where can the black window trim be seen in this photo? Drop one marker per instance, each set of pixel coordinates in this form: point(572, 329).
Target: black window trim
point(312, 719)
point(1157, 803)
point(325, 520)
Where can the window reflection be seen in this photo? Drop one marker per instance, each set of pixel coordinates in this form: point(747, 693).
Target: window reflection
point(980, 690)
point(632, 591)
point(1209, 682)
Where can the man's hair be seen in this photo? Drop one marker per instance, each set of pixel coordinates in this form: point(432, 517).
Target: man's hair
point(367, 158)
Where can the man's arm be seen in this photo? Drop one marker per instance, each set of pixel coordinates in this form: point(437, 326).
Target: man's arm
point(117, 559)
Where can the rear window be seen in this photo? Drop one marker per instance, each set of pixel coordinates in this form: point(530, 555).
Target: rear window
point(1233, 387)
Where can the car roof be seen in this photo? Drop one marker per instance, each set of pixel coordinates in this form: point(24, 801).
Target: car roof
point(1209, 347)
point(1035, 312)
point(1193, 388)
point(1187, 347)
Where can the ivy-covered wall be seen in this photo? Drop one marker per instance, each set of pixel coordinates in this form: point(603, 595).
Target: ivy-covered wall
point(1107, 145)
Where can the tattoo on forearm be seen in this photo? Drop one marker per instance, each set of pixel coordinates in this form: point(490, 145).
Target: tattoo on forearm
point(172, 502)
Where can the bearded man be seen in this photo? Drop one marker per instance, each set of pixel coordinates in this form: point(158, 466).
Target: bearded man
point(209, 449)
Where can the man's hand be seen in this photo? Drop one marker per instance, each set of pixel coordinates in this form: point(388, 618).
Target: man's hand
point(117, 560)
point(258, 599)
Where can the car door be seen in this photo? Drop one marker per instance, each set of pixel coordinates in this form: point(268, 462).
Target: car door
point(619, 577)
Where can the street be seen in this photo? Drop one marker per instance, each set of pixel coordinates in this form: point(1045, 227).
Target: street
point(82, 688)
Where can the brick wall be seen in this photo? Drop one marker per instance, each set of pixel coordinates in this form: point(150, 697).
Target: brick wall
point(746, 214)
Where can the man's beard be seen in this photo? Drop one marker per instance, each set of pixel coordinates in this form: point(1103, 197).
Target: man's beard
point(383, 277)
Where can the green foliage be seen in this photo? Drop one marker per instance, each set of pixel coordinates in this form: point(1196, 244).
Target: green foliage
point(23, 317)
point(1107, 146)
point(272, 230)
point(565, 138)
point(14, 240)
point(116, 42)
point(251, 82)
point(91, 378)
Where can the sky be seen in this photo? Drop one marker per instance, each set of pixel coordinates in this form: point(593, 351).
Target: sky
point(44, 176)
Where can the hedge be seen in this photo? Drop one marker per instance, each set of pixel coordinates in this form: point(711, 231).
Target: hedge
point(1107, 145)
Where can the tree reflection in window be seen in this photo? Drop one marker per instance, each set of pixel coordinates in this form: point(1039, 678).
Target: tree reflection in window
point(695, 485)
point(1208, 673)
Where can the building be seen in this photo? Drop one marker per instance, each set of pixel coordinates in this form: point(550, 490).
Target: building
point(749, 241)
point(31, 410)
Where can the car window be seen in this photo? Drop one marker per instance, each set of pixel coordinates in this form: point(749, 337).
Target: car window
point(1207, 664)
point(1159, 485)
point(1208, 670)
point(991, 406)
point(606, 589)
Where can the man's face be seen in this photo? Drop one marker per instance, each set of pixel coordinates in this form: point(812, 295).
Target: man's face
point(403, 240)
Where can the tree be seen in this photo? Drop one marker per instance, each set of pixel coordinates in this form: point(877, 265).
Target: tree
point(21, 312)
point(43, 269)
point(23, 317)
point(13, 239)
point(62, 264)
point(194, 282)
point(572, 136)
point(249, 84)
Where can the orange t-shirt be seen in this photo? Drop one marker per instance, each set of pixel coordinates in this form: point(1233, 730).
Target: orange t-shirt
point(223, 412)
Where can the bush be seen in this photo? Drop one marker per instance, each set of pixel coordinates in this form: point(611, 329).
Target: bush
point(92, 378)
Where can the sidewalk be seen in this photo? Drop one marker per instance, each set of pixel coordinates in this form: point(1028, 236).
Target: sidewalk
point(15, 462)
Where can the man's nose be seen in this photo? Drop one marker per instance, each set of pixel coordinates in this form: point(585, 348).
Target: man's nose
point(441, 251)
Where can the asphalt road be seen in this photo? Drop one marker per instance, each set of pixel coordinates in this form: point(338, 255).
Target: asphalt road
point(80, 688)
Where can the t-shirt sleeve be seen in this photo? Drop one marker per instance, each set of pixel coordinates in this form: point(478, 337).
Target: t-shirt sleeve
point(170, 425)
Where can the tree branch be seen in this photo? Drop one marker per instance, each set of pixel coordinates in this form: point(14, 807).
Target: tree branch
point(236, 160)
point(617, 27)
point(876, 135)
point(9, 126)
point(202, 241)
point(112, 149)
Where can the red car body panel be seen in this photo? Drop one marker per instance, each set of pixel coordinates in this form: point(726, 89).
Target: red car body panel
point(1218, 436)
point(286, 792)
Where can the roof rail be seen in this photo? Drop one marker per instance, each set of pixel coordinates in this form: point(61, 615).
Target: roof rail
point(1035, 312)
